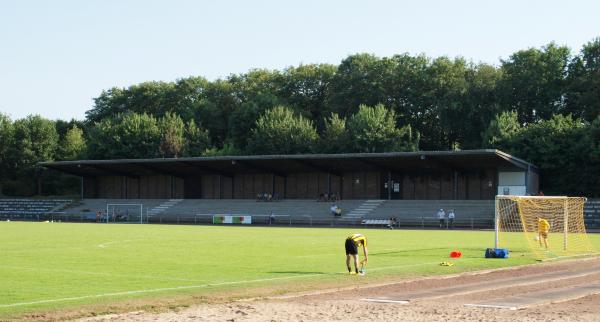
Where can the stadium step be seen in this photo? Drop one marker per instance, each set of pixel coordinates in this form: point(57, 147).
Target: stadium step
point(164, 206)
point(365, 209)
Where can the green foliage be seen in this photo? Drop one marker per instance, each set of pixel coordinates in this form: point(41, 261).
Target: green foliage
point(334, 138)
point(197, 140)
point(305, 88)
point(555, 145)
point(437, 103)
point(280, 131)
point(171, 136)
point(73, 145)
point(502, 129)
point(35, 140)
point(533, 82)
point(228, 149)
point(583, 98)
point(125, 136)
point(480, 104)
point(6, 142)
point(373, 129)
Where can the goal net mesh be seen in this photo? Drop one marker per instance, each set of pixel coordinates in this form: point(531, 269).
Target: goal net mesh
point(518, 226)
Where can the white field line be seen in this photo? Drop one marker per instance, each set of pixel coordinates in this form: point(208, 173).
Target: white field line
point(75, 298)
point(386, 301)
point(66, 299)
point(378, 252)
point(512, 308)
point(104, 245)
point(70, 271)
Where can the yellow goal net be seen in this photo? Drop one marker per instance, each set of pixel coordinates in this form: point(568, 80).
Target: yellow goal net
point(547, 227)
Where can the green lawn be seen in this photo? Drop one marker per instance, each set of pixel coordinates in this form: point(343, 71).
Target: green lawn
point(61, 266)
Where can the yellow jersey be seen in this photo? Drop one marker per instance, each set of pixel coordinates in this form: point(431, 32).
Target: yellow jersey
point(358, 239)
point(543, 226)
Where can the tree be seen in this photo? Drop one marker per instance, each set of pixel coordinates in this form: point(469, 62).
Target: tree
point(360, 79)
point(305, 89)
point(583, 96)
point(480, 105)
point(34, 140)
point(502, 130)
point(153, 98)
point(197, 140)
point(171, 135)
point(334, 138)
point(280, 131)
point(125, 136)
point(373, 129)
point(73, 145)
point(6, 143)
point(443, 114)
point(534, 82)
point(552, 145)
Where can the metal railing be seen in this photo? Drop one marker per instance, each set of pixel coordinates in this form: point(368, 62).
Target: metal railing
point(421, 222)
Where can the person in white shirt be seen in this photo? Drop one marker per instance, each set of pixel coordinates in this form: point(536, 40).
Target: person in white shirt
point(335, 210)
point(451, 218)
point(442, 217)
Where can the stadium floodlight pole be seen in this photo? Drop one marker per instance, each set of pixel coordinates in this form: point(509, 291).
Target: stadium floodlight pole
point(496, 223)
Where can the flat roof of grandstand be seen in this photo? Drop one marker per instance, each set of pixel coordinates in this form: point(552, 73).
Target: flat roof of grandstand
point(284, 164)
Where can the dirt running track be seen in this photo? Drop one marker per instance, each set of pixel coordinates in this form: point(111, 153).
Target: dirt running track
point(349, 305)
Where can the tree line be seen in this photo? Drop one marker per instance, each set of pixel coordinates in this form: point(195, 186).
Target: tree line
point(539, 104)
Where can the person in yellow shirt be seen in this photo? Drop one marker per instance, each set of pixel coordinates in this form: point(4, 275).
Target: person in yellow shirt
point(352, 244)
point(543, 230)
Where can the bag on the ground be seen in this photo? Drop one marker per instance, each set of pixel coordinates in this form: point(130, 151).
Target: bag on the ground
point(496, 253)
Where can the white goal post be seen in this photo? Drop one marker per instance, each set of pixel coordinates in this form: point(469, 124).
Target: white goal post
point(545, 226)
point(127, 211)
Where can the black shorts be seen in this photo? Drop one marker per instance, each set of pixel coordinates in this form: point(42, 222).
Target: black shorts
point(544, 234)
point(351, 248)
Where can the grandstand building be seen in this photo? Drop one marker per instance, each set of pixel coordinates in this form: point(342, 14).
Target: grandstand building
point(424, 175)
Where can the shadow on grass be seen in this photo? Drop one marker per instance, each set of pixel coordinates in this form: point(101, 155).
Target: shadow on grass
point(408, 251)
point(297, 272)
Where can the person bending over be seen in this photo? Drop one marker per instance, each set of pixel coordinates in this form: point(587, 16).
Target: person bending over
point(352, 244)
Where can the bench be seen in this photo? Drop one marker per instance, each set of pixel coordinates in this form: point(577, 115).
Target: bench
point(376, 222)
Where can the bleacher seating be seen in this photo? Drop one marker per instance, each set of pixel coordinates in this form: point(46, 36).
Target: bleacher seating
point(409, 213)
point(31, 206)
point(591, 214)
point(423, 213)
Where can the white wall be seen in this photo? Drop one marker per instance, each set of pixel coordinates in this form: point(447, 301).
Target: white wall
point(512, 183)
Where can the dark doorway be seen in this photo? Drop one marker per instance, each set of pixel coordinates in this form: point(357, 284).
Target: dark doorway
point(192, 187)
point(391, 185)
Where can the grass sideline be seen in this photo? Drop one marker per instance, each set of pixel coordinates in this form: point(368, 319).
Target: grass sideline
point(47, 267)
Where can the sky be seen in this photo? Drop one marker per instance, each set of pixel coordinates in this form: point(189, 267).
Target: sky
point(56, 56)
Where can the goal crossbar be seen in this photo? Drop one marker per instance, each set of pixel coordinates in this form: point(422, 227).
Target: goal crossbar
point(546, 226)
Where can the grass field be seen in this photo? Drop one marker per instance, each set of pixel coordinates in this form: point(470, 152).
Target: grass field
point(61, 266)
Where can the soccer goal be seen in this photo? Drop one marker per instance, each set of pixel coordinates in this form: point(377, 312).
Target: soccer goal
point(548, 227)
point(124, 213)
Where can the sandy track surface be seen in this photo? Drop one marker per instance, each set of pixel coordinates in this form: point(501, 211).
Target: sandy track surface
point(349, 305)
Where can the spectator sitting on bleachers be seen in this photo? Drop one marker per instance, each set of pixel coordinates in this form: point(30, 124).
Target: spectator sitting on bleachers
point(335, 210)
point(392, 223)
point(264, 197)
